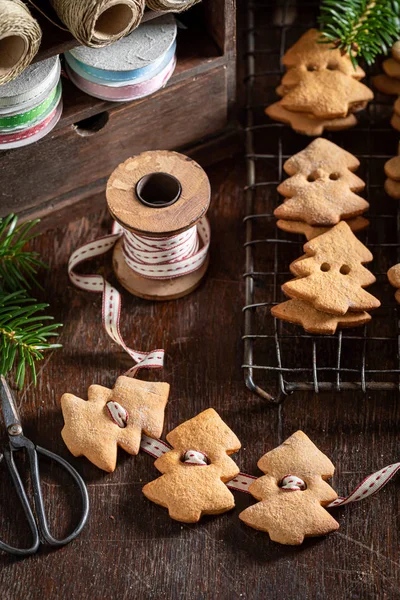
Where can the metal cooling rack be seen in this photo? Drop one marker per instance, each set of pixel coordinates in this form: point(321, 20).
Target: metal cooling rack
point(280, 358)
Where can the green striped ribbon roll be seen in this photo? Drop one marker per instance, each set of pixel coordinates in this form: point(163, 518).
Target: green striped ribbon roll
point(33, 113)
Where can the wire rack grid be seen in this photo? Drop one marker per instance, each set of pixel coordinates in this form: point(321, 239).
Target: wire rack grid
point(280, 358)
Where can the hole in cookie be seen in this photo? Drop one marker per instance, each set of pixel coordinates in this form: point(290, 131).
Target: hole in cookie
point(344, 269)
point(311, 68)
point(332, 65)
point(195, 458)
point(325, 267)
point(311, 178)
point(292, 483)
point(334, 176)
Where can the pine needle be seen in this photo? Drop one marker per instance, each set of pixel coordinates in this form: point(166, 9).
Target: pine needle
point(24, 329)
point(361, 28)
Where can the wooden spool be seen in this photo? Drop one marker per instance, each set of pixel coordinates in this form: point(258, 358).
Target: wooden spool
point(158, 194)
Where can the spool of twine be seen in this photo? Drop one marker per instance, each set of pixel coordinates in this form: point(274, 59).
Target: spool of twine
point(20, 37)
point(98, 23)
point(170, 5)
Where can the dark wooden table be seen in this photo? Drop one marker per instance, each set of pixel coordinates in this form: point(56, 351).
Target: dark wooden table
point(130, 548)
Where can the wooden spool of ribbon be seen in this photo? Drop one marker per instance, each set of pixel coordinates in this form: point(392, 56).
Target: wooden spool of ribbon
point(159, 199)
point(20, 37)
point(97, 23)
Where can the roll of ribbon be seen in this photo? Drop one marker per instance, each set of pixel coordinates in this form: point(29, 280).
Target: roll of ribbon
point(27, 119)
point(159, 200)
point(98, 23)
point(119, 78)
point(30, 88)
point(20, 37)
point(132, 68)
point(170, 5)
point(36, 133)
point(125, 93)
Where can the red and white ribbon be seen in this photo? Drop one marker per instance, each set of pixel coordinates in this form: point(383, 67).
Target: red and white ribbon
point(157, 259)
point(368, 487)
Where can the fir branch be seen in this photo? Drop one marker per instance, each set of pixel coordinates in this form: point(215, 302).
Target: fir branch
point(361, 28)
point(23, 334)
point(18, 267)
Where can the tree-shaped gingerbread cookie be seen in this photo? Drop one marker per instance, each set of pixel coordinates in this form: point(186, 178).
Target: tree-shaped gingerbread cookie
point(321, 81)
point(322, 185)
point(110, 418)
point(292, 493)
point(192, 486)
point(331, 275)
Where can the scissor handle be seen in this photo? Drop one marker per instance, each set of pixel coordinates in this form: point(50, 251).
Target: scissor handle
point(33, 452)
point(9, 458)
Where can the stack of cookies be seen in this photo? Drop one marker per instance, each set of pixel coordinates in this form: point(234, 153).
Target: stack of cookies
point(321, 89)
point(328, 289)
point(389, 83)
point(392, 172)
point(321, 191)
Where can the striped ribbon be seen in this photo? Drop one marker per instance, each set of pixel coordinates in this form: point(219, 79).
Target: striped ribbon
point(126, 92)
point(9, 138)
point(158, 260)
point(370, 486)
point(119, 78)
point(32, 114)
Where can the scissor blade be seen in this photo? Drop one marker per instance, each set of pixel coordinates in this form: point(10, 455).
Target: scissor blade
point(10, 413)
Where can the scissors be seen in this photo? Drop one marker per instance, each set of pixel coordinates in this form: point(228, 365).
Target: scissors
point(17, 441)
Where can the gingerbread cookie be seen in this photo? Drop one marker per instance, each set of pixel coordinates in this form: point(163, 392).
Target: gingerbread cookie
point(387, 85)
point(308, 124)
point(292, 493)
point(395, 121)
point(191, 489)
point(332, 277)
point(396, 50)
point(321, 188)
point(110, 418)
point(394, 279)
point(325, 94)
point(392, 68)
point(396, 106)
point(312, 53)
point(392, 168)
point(315, 321)
point(311, 232)
point(392, 188)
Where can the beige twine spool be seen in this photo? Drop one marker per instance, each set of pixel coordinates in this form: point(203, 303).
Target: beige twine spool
point(97, 23)
point(170, 5)
point(20, 37)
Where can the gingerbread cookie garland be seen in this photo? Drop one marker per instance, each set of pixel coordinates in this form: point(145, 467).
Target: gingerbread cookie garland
point(300, 451)
point(321, 88)
point(94, 428)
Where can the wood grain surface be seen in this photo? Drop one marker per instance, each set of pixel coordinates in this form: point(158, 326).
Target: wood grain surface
point(131, 549)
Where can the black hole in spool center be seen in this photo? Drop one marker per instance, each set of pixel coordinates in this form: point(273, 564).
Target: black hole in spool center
point(158, 190)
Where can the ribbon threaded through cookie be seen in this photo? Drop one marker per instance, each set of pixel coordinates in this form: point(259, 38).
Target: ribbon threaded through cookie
point(195, 458)
point(118, 413)
point(370, 486)
point(161, 258)
point(292, 483)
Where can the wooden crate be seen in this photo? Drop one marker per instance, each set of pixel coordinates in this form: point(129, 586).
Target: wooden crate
point(65, 173)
